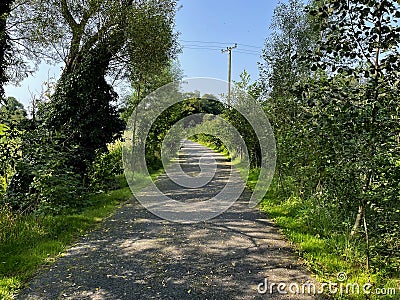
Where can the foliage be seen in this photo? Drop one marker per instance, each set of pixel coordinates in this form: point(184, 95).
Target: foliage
point(240, 122)
point(57, 193)
point(327, 252)
point(81, 99)
point(5, 9)
point(43, 180)
point(192, 104)
point(94, 39)
point(336, 120)
point(293, 35)
point(12, 123)
point(356, 109)
point(151, 79)
point(233, 117)
point(105, 167)
point(3, 186)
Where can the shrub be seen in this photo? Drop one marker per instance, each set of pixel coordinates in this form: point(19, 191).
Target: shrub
point(105, 167)
point(57, 193)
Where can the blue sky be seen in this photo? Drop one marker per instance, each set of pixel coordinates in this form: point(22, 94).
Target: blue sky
point(205, 27)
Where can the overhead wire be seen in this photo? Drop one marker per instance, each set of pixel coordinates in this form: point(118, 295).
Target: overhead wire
point(215, 46)
point(221, 43)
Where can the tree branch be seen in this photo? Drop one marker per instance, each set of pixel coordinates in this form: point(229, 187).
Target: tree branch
point(68, 17)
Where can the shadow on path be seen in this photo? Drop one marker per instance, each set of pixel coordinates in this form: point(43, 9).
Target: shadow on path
point(136, 255)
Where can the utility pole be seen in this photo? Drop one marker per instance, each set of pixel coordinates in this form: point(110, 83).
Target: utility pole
point(229, 50)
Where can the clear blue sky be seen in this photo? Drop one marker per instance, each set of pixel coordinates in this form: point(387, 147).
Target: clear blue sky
point(206, 27)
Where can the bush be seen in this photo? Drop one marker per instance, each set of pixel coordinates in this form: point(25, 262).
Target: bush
point(105, 167)
point(44, 181)
point(58, 193)
point(43, 189)
point(17, 191)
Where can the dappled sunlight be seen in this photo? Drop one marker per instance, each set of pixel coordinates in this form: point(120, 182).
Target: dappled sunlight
point(137, 255)
point(131, 247)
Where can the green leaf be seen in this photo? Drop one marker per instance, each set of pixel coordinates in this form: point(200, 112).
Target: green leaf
point(3, 129)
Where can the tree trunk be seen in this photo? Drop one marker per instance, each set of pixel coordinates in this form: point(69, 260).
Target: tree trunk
point(357, 223)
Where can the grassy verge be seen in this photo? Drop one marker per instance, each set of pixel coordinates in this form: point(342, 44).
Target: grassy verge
point(30, 242)
point(326, 252)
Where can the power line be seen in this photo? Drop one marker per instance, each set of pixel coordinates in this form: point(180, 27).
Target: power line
point(212, 48)
point(249, 53)
point(221, 43)
point(216, 47)
point(202, 47)
point(250, 46)
point(204, 42)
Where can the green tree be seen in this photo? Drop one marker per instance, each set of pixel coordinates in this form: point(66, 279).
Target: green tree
point(12, 113)
point(239, 121)
point(5, 9)
point(95, 39)
point(356, 116)
point(293, 35)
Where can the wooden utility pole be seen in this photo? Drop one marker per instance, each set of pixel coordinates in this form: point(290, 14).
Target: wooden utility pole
point(229, 50)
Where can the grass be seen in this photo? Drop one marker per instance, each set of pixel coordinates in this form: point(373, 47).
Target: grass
point(31, 242)
point(326, 252)
point(28, 243)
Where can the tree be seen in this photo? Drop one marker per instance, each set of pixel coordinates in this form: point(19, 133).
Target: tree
point(293, 35)
point(356, 109)
point(65, 31)
point(163, 74)
point(240, 122)
point(95, 39)
point(5, 9)
point(333, 102)
point(12, 113)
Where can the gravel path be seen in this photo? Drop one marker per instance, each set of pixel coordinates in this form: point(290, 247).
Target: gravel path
point(136, 255)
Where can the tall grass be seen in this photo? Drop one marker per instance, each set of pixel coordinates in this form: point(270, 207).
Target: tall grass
point(312, 230)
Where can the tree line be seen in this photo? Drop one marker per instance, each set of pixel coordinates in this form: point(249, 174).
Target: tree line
point(329, 76)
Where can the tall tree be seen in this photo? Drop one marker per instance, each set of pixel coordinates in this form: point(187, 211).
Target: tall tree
point(5, 9)
point(95, 39)
point(356, 111)
point(293, 35)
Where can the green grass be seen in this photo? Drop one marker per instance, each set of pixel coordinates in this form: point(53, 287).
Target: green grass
point(223, 150)
point(325, 252)
point(30, 242)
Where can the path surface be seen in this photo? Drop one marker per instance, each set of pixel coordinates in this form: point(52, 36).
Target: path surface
point(136, 255)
